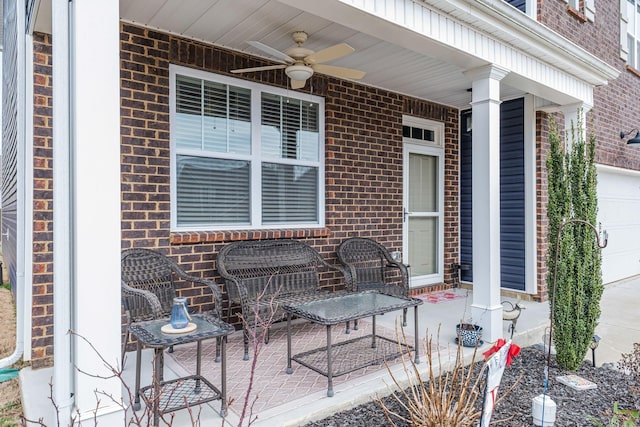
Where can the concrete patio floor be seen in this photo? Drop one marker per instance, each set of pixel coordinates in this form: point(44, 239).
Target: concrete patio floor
point(304, 397)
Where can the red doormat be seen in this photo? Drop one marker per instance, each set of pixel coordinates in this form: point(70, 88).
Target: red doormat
point(441, 296)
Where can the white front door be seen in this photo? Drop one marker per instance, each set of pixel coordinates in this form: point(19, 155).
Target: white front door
point(423, 201)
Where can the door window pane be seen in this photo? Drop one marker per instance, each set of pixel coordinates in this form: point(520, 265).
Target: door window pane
point(423, 249)
point(423, 183)
point(423, 221)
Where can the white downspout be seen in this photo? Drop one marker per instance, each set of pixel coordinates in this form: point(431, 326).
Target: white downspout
point(62, 200)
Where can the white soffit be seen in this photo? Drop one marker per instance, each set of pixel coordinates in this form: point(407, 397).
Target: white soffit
point(416, 47)
point(480, 32)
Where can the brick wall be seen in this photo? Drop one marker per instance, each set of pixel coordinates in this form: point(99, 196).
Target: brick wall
point(363, 148)
point(363, 165)
point(363, 162)
point(363, 155)
point(542, 147)
point(42, 300)
point(616, 106)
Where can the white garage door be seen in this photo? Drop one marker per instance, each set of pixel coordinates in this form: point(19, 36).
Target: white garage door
point(619, 214)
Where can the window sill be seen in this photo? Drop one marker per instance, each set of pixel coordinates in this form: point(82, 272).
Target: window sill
point(633, 70)
point(576, 14)
point(192, 237)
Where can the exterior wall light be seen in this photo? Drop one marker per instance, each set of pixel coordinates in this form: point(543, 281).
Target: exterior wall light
point(634, 140)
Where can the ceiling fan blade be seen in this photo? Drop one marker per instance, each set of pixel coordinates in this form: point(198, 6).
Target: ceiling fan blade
point(329, 54)
point(341, 72)
point(298, 84)
point(254, 69)
point(271, 51)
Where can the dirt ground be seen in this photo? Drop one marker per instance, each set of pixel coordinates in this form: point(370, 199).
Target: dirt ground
point(10, 408)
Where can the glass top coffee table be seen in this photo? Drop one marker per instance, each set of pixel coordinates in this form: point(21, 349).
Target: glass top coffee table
point(351, 355)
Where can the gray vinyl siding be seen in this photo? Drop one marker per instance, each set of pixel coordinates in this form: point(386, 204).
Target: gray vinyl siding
point(10, 140)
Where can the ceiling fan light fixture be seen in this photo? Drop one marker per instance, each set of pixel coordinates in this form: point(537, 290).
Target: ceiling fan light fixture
point(299, 72)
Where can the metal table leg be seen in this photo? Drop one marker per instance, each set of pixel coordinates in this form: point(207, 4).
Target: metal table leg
point(198, 364)
point(329, 363)
point(157, 378)
point(289, 368)
point(417, 335)
point(136, 403)
point(223, 375)
point(373, 332)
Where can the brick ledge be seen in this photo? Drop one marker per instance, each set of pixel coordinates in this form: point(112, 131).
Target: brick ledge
point(633, 70)
point(192, 237)
point(577, 14)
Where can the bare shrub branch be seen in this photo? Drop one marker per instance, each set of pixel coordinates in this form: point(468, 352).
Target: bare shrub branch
point(449, 398)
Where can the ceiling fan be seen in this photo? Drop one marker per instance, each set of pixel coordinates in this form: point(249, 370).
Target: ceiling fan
point(300, 63)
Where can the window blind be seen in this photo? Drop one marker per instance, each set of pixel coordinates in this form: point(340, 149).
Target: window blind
point(289, 194)
point(212, 191)
point(289, 128)
point(222, 166)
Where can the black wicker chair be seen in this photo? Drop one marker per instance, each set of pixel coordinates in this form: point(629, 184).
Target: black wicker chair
point(148, 287)
point(372, 268)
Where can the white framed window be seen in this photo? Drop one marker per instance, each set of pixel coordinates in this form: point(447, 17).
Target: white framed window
point(244, 155)
point(630, 28)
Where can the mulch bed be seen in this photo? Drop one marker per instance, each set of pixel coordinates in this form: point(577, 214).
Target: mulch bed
point(574, 408)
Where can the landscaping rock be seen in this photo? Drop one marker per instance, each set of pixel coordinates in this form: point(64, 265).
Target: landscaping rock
point(574, 408)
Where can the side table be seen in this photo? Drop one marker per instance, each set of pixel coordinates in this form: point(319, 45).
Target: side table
point(168, 396)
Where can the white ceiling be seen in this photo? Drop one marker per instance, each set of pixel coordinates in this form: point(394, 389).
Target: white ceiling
point(231, 23)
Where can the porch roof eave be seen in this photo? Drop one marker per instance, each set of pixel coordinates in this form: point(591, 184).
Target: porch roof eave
point(587, 66)
point(497, 22)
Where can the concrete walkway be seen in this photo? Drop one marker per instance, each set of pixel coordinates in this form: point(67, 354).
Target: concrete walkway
point(299, 404)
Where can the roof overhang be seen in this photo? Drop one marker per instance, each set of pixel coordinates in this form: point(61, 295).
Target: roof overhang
point(420, 48)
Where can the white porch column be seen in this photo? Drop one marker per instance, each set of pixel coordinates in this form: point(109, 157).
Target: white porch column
point(62, 357)
point(574, 114)
point(486, 308)
point(95, 183)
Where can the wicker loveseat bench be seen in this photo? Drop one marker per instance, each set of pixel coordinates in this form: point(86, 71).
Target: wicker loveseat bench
point(262, 275)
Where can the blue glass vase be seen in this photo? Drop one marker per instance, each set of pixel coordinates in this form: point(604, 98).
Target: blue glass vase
point(179, 314)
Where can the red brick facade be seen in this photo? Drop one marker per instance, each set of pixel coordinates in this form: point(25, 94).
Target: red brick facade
point(42, 300)
point(616, 105)
point(363, 154)
point(363, 165)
